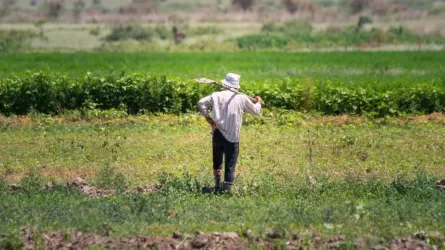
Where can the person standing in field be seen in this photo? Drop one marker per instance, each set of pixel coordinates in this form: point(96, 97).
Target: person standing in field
point(227, 110)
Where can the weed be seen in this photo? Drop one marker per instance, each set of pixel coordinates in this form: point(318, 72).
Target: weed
point(32, 182)
point(11, 242)
point(3, 184)
point(108, 177)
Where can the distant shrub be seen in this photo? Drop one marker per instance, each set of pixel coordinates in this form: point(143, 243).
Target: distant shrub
point(95, 31)
point(129, 32)
point(262, 41)
point(357, 6)
point(436, 11)
point(243, 4)
point(292, 5)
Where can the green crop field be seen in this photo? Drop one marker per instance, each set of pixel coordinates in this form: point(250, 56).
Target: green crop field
point(346, 153)
point(353, 67)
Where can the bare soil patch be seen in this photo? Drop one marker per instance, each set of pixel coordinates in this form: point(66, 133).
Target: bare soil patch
point(227, 240)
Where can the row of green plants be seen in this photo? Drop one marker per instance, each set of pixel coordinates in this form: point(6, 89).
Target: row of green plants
point(294, 33)
point(54, 93)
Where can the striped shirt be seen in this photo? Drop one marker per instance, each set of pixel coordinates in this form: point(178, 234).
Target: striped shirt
point(227, 112)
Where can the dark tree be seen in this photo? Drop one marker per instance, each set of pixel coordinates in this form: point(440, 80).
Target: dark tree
point(243, 4)
point(361, 22)
point(78, 7)
point(54, 9)
point(357, 6)
point(178, 35)
point(291, 5)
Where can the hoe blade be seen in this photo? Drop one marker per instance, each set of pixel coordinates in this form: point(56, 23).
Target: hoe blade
point(205, 80)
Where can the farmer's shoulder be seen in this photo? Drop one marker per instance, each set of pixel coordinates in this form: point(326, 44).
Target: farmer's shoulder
point(242, 98)
point(221, 93)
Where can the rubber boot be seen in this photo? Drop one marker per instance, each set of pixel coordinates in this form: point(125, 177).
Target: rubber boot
point(227, 187)
point(218, 186)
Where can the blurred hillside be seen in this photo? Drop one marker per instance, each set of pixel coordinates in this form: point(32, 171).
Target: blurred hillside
point(220, 25)
point(84, 11)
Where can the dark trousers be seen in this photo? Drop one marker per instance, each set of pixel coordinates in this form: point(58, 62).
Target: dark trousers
point(230, 150)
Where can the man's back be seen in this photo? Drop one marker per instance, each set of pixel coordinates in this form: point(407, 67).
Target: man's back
point(227, 111)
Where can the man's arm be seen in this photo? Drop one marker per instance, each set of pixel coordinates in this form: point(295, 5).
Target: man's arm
point(253, 108)
point(204, 109)
point(204, 106)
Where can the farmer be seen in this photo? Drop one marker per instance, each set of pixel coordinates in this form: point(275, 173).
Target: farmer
point(227, 112)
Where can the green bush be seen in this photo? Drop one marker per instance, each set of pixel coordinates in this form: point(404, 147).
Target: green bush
point(129, 32)
point(53, 93)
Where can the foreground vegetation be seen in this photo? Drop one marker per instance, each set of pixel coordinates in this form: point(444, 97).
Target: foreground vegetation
point(370, 180)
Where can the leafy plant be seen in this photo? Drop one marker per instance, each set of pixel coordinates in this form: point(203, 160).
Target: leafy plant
point(108, 177)
point(32, 182)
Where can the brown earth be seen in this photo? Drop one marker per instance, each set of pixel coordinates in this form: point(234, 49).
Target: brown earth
point(80, 240)
point(228, 240)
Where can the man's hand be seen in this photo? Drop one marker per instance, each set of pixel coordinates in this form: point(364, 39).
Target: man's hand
point(210, 121)
point(259, 100)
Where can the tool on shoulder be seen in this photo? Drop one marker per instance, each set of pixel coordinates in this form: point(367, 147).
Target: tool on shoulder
point(210, 81)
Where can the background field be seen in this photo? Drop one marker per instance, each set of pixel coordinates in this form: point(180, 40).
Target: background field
point(369, 68)
point(221, 25)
